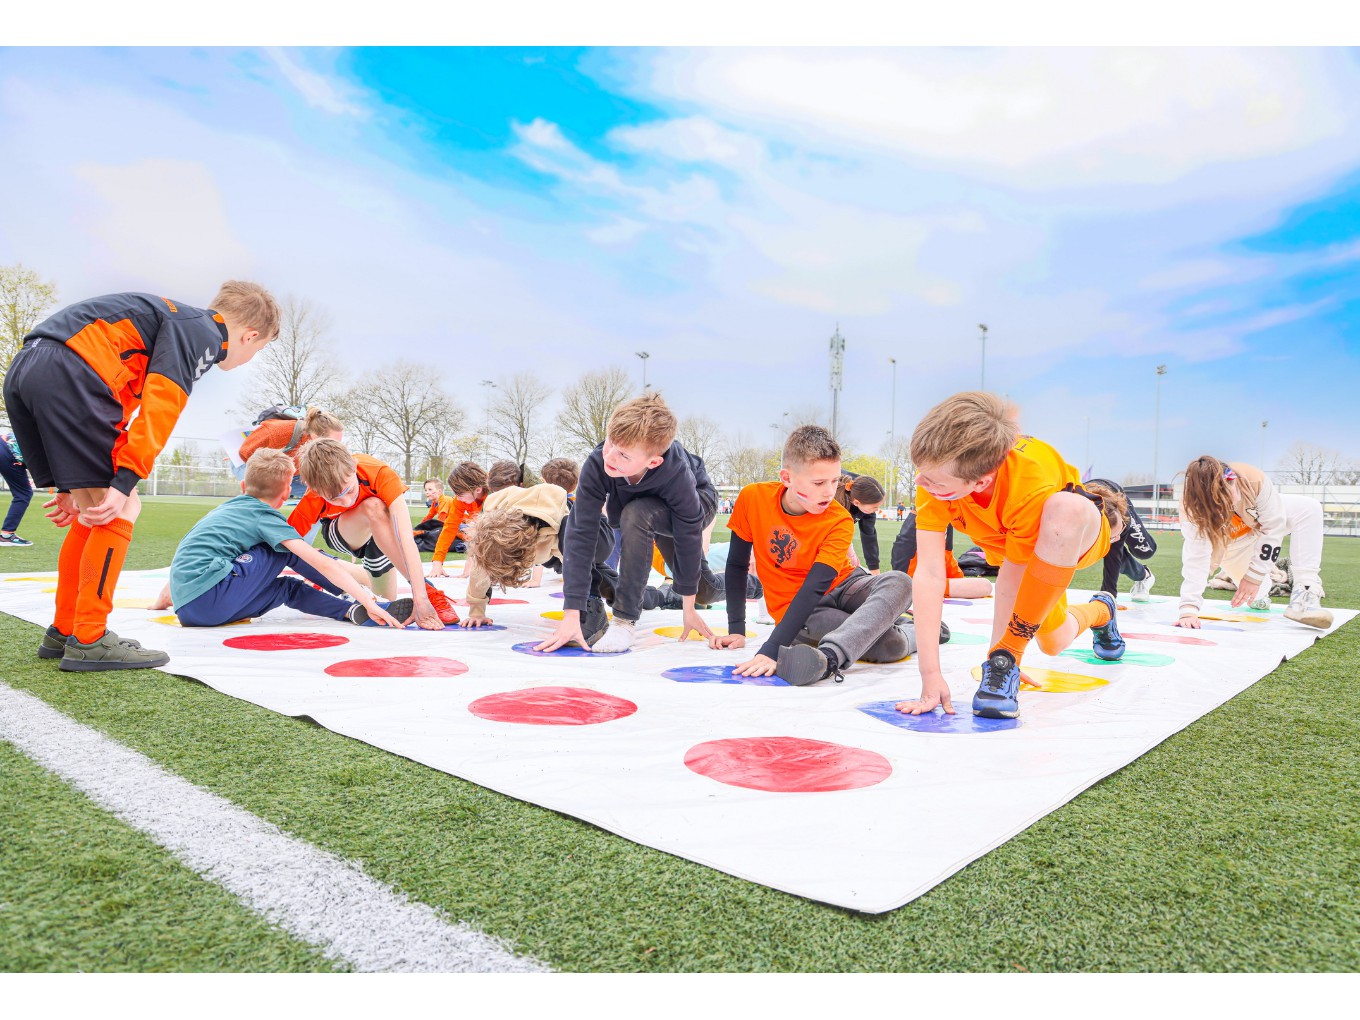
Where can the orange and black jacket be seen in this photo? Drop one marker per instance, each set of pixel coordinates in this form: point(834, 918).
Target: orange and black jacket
point(149, 351)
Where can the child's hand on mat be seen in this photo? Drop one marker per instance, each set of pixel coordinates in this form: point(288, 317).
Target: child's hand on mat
point(162, 601)
point(382, 618)
point(1189, 622)
point(425, 616)
point(761, 665)
point(727, 641)
point(934, 693)
point(475, 619)
point(63, 510)
point(437, 570)
point(1246, 591)
point(567, 631)
point(105, 510)
point(693, 621)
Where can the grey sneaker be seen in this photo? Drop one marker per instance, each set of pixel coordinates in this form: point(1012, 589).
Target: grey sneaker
point(1305, 607)
point(109, 652)
point(53, 644)
point(594, 621)
point(800, 665)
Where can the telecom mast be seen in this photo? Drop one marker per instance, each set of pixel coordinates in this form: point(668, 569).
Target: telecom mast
point(837, 368)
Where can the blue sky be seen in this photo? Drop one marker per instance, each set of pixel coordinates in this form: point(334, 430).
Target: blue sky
point(1102, 210)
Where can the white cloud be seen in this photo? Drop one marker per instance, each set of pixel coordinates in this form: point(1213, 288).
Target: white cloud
point(320, 92)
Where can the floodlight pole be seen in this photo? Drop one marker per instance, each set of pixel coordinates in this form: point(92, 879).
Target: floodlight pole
point(644, 356)
point(486, 434)
point(1156, 440)
point(837, 368)
point(982, 385)
point(892, 434)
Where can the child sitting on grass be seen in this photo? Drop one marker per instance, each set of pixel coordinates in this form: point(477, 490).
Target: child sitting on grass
point(227, 567)
point(361, 504)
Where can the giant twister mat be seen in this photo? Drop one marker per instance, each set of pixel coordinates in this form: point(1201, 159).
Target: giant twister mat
point(824, 791)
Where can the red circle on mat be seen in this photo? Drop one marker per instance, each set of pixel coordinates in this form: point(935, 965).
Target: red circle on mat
point(285, 642)
point(399, 665)
point(495, 602)
point(787, 764)
point(552, 706)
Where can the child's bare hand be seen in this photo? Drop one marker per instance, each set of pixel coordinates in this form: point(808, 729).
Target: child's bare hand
point(1246, 591)
point(437, 570)
point(567, 631)
point(64, 509)
point(105, 510)
point(761, 665)
point(1189, 622)
point(162, 601)
point(934, 694)
point(727, 641)
point(693, 621)
point(475, 620)
point(425, 616)
point(382, 618)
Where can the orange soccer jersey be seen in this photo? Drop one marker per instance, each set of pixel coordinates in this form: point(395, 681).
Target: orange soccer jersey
point(785, 545)
point(376, 479)
point(1006, 526)
point(274, 434)
point(951, 566)
point(458, 513)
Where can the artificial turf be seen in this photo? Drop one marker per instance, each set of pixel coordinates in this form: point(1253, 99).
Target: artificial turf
point(1231, 846)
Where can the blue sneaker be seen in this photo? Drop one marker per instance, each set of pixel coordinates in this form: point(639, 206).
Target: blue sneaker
point(1106, 641)
point(998, 695)
point(13, 539)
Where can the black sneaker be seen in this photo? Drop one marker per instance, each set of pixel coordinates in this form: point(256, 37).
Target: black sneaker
point(400, 610)
point(594, 621)
point(13, 540)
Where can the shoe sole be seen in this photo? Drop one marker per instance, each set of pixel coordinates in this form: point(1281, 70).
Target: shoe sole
point(1321, 619)
point(799, 666)
point(994, 713)
point(103, 665)
point(1104, 653)
point(51, 653)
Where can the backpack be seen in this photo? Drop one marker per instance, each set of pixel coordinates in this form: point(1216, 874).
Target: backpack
point(974, 563)
point(283, 412)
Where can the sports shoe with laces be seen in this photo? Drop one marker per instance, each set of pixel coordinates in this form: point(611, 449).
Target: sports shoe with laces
point(1305, 607)
point(800, 665)
point(53, 645)
point(441, 604)
point(109, 652)
point(594, 621)
point(1261, 603)
point(998, 696)
point(400, 610)
point(13, 540)
point(1142, 590)
point(1106, 641)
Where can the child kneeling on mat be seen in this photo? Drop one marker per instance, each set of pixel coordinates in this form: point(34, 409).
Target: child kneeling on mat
point(827, 612)
point(227, 567)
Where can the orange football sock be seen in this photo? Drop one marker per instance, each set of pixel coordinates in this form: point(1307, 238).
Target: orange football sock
point(1091, 614)
point(68, 576)
point(1042, 586)
point(100, 566)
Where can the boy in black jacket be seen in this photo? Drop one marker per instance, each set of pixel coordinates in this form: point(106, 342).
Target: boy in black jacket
point(658, 493)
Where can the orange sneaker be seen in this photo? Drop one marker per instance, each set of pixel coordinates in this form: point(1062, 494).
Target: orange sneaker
point(442, 605)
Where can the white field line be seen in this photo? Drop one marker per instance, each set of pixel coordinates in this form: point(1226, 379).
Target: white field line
point(313, 895)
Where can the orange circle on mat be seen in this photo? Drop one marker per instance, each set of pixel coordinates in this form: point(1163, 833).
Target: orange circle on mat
point(552, 706)
point(787, 764)
point(1052, 681)
point(285, 642)
point(399, 665)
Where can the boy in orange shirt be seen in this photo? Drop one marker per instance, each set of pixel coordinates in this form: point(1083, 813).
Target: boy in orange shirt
point(468, 483)
point(1025, 506)
point(361, 505)
point(828, 613)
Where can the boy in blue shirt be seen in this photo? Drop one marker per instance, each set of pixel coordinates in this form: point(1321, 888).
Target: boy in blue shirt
point(227, 567)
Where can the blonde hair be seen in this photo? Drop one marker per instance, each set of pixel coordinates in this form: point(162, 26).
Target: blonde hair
point(864, 489)
point(268, 473)
point(644, 423)
point(320, 424)
point(971, 431)
point(467, 478)
point(325, 465)
point(1207, 502)
point(561, 471)
point(503, 474)
point(502, 543)
point(808, 444)
point(1113, 503)
point(249, 305)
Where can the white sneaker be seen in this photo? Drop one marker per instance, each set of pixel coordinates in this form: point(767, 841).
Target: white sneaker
point(1223, 583)
point(618, 638)
point(1261, 603)
point(1305, 607)
point(1142, 590)
point(763, 613)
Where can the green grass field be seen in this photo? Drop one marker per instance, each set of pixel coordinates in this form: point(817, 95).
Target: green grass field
point(1232, 846)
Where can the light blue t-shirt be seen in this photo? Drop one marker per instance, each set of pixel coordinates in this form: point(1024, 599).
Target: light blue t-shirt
point(205, 554)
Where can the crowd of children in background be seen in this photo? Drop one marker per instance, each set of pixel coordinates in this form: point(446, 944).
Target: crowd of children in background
point(123, 366)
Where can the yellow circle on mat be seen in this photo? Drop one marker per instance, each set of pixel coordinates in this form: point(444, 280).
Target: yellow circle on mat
point(49, 577)
point(131, 603)
point(173, 621)
point(1233, 617)
point(1052, 681)
point(556, 614)
point(675, 632)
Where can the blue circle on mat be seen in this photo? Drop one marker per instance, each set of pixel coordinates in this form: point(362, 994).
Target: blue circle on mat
point(557, 595)
point(935, 722)
point(719, 675)
point(958, 602)
point(489, 626)
point(566, 652)
point(1219, 626)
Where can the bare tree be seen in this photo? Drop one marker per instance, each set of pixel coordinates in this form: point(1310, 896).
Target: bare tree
point(514, 411)
point(700, 435)
point(402, 409)
point(587, 405)
point(743, 465)
point(1306, 464)
point(809, 414)
point(900, 469)
point(1347, 473)
point(298, 368)
point(24, 297)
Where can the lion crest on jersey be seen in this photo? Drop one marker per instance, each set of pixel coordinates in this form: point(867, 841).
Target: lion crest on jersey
point(782, 545)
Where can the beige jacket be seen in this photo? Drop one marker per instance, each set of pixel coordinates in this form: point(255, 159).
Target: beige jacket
point(1260, 508)
point(545, 502)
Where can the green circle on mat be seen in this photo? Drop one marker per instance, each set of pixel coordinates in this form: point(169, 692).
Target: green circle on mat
point(1129, 659)
point(955, 638)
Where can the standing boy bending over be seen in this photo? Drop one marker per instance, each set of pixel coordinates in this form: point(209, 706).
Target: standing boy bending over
point(360, 503)
point(827, 613)
point(658, 492)
point(227, 567)
point(71, 393)
point(1024, 505)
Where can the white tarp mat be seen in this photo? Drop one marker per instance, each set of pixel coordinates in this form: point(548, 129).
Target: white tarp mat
point(838, 805)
